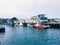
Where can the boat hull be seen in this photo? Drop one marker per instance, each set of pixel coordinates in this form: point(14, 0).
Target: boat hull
point(40, 27)
point(2, 30)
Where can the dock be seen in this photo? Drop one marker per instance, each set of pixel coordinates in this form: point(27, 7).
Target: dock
point(53, 24)
point(33, 22)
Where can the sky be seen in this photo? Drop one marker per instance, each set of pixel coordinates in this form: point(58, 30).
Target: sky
point(29, 8)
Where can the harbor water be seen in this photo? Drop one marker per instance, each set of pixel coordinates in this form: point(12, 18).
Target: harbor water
point(20, 35)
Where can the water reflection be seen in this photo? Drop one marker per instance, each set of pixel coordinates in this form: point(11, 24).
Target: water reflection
point(1, 36)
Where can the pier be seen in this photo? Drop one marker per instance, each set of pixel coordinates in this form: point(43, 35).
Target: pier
point(53, 24)
point(25, 22)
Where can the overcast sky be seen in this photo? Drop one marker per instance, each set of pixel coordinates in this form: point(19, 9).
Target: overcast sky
point(28, 8)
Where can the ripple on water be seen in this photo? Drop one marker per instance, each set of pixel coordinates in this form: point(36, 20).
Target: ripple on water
point(30, 36)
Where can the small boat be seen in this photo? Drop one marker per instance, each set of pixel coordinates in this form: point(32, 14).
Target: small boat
point(39, 26)
point(30, 25)
point(2, 28)
point(21, 24)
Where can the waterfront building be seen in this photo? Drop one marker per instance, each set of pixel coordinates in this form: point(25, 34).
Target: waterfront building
point(56, 19)
point(50, 20)
point(3, 21)
point(14, 19)
point(9, 21)
point(34, 17)
point(42, 18)
point(41, 15)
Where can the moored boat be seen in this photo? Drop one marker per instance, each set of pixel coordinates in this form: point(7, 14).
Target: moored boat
point(30, 25)
point(39, 26)
point(2, 28)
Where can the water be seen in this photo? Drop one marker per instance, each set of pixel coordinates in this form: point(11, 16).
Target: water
point(30, 36)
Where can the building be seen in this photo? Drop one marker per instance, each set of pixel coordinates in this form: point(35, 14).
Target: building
point(50, 20)
point(34, 17)
point(54, 20)
point(11, 21)
point(3, 21)
point(41, 15)
point(42, 18)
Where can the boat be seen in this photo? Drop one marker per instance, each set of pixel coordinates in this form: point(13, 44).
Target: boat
point(21, 24)
point(2, 28)
point(39, 26)
point(30, 25)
